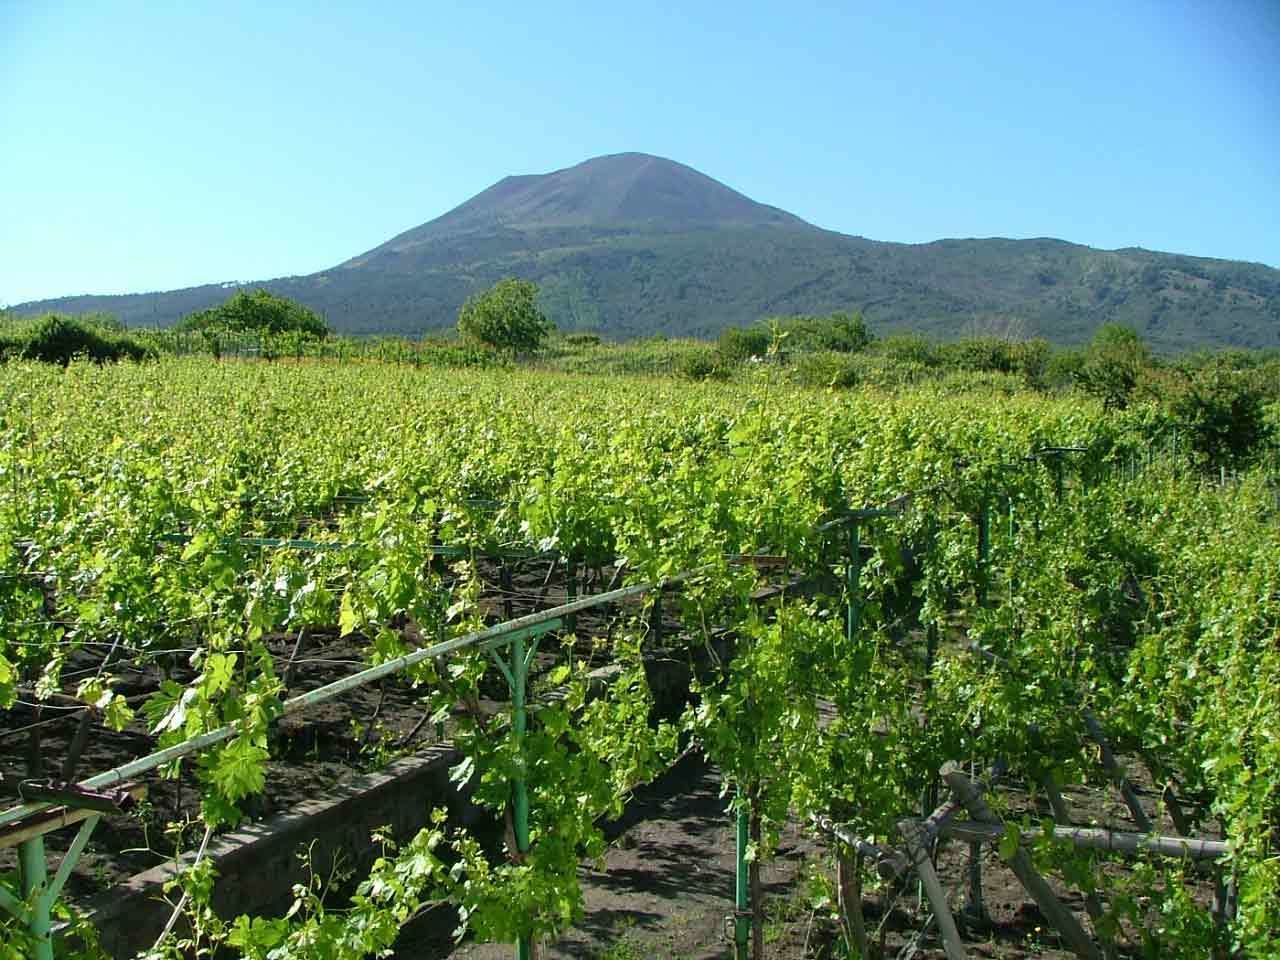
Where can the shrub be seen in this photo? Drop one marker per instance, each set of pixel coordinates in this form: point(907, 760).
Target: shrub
point(839, 333)
point(909, 350)
point(1031, 358)
point(701, 365)
point(452, 354)
point(978, 354)
point(826, 369)
point(1063, 368)
point(743, 343)
point(960, 382)
point(54, 338)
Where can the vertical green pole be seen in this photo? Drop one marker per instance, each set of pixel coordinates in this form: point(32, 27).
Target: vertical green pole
point(571, 592)
point(929, 800)
point(1057, 476)
point(34, 878)
point(1013, 531)
point(853, 580)
point(519, 789)
point(984, 551)
point(742, 903)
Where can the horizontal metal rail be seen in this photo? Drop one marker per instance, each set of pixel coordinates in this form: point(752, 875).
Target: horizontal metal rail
point(526, 626)
point(438, 549)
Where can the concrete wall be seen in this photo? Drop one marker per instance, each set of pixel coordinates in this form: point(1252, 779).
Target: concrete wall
point(258, 864)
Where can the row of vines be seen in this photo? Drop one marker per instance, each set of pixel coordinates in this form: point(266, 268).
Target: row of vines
point(1113, 579)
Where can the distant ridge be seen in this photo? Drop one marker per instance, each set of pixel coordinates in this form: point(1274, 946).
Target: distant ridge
point(632, 244)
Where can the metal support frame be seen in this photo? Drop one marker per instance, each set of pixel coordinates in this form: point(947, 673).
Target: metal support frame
point(35, 910)
point(853, 582)
point(1055, 456)
point(40, 893)
point(497, 632)
point(742, 888)
point(515, 670)
point(1012, 533)
point(852, 520)
point(512, 633)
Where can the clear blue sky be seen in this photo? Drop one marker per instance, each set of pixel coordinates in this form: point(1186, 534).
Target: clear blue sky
point(152, 145)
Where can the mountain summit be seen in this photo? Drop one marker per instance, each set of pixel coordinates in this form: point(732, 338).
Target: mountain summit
point(622, 190)
point(632, 245)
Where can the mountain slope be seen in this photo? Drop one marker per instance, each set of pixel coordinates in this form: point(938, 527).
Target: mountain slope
point(632, 245)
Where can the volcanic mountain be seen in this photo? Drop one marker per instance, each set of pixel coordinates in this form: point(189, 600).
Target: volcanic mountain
point(632, 244)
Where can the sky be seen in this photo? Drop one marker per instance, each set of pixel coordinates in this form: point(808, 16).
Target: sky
point(149, 146)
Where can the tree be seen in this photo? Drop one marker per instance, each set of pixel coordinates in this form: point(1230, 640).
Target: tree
point(1114, 363)
point(505, 317)
point(260, 311)
point(1222, 411)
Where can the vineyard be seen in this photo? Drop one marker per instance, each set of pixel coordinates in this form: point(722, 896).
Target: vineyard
point(914, 623)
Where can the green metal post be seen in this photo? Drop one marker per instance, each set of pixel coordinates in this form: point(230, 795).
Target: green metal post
point(34, 878)
point(929, 799)
point(742, 903)
point(1057, 477)
point(571, 592)
point(519, 788)
point(984, 551)
point(1013, 532)
point(516, 673)
point(853, 580)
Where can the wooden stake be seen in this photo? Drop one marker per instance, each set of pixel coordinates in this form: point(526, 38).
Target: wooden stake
point(1023, 868)
point(1176, 813)
point(1092, 902)
point(1117, 774)
point(290, 671)
point(917, 844)
point(849, 891)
